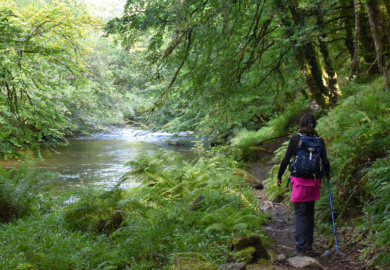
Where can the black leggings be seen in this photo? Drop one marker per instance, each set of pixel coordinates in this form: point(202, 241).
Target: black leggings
point(304, 225)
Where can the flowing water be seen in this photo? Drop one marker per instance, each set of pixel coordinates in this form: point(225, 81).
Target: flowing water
point(100, 159)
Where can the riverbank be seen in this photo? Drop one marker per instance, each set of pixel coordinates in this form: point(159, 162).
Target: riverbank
point(180, 210)
point(180, 207)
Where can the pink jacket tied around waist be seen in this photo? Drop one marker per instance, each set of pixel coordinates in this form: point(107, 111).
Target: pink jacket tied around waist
point(305, 190)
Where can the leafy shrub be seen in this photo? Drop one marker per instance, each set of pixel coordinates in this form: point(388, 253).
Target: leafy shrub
point(16, 192)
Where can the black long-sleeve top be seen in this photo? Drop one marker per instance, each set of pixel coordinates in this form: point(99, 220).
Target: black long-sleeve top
point(292, 151)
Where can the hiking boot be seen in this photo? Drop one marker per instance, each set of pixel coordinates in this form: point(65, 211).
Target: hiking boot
point(300, 252)
point(310, 250)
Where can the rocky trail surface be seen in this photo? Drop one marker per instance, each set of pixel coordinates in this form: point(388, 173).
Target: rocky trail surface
point(281, 228)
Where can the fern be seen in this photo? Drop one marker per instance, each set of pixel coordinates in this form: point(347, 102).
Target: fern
point(216, 227)
point(179, 207)
point(18, 191)
point(378, 210)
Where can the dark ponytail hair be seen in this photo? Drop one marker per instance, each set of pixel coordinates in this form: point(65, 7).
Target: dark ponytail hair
point(307, 124)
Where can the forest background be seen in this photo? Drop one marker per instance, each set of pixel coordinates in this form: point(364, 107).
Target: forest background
point(241, 70)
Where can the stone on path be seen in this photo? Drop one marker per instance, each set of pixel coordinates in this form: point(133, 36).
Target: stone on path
point(251, 243)
point(259, 267)
point(326, 254)
point(249, 178)
point(281, 258)
point(304, 263)
point(245, 254)
point(232, 266)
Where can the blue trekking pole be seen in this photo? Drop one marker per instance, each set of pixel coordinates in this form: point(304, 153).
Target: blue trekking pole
point(334, 226)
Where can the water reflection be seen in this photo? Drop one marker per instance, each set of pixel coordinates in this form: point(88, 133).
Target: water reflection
point(100, 159)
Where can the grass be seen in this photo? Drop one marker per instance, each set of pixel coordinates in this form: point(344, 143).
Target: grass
point(45, 242)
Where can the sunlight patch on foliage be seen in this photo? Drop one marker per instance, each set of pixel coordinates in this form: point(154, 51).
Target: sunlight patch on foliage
point(275, 128)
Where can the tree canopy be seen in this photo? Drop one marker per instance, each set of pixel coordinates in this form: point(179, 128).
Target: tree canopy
point(42, 71)
point(239, 62)
point(58, 75)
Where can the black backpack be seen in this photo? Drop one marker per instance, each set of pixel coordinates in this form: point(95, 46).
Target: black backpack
point(307, 163)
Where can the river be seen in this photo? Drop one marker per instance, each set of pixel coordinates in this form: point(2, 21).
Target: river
point(99, 159)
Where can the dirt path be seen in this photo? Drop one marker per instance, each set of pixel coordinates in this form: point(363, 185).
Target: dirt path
point(281, 229)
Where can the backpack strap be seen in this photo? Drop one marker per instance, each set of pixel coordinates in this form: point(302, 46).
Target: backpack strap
point(303, 134)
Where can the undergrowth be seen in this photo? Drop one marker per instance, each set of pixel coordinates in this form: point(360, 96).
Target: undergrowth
point(179, 207)
point(357, 135)
point(44, 242)
point(377, 212)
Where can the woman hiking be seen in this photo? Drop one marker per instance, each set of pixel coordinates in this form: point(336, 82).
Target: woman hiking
point(307, 148)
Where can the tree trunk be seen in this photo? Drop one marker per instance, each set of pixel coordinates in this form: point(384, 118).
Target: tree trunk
point(346, 10)
point(356, 57)
point(366, 42)
point(307, 56)
point(309, 78)
point(331, 79)
point(380, 27)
